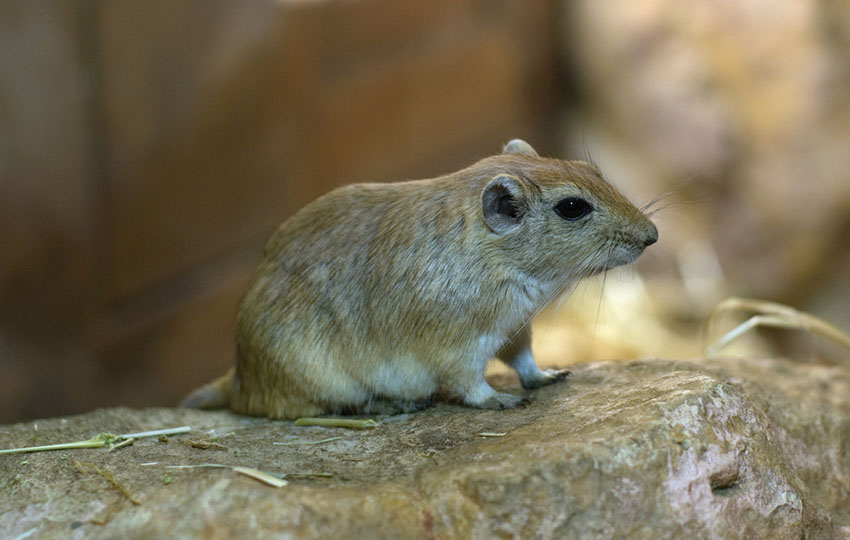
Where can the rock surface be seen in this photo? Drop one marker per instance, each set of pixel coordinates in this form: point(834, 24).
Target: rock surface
point(728, 448)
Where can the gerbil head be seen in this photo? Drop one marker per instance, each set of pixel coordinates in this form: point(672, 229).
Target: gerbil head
point(559, 219)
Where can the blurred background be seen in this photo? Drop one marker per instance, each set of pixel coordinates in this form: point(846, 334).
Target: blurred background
point(148, 150)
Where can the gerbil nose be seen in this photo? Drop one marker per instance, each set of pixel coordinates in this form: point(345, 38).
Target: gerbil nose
point(651, 235)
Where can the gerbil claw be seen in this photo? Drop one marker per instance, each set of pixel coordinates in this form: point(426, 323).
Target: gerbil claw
point(558, 375)
point(549, 376)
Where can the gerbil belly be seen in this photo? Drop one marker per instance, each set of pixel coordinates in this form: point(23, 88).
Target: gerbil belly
point(402, 377)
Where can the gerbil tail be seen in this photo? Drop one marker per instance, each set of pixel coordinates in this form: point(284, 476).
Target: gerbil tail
point(213, 395)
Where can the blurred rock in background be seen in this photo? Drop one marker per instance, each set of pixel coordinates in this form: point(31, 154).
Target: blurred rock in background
point(148, 149)
point(742, 110)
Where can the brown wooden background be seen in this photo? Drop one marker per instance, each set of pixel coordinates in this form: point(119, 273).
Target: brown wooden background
point(148, 149)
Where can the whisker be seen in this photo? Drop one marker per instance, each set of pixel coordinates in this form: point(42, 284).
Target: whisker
point(585, 147)
point(692, 203)
point(646, 207)
point(598, 313)
point(674, 190)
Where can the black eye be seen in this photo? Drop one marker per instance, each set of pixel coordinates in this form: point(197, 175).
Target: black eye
point(573, 208)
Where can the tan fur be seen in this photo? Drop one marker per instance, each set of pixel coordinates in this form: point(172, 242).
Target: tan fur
point(373, 296)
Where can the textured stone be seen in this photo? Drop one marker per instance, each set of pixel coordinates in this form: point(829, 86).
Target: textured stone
point(650, 449)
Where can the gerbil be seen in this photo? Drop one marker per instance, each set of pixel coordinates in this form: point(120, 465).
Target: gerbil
point(373, 296)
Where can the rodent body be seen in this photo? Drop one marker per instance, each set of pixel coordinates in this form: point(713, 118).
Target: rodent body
point(373, 296)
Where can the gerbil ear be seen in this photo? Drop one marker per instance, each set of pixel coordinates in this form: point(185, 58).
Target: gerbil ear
point(502, 202)
point(519, 146)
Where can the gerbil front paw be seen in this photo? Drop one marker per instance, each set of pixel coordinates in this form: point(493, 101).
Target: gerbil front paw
point(502, 401)
point(547, 376)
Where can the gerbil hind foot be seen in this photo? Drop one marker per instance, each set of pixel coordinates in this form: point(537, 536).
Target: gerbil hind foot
point(484, 397)
point(545, 377)
point(500, 401)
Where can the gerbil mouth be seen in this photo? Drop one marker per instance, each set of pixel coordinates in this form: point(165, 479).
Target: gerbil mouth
point(619, 256)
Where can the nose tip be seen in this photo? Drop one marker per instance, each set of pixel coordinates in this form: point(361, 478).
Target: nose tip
point(651, 235)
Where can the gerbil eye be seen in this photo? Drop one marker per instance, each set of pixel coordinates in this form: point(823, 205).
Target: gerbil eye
point(573, 208)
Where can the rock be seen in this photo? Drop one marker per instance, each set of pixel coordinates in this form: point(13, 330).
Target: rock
point(727, 448)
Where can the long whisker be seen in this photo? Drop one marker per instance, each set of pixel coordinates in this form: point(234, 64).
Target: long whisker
point(674, 190)
point(646, 207)
point(588, 156)
point(611, 248)
point(672, 204)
